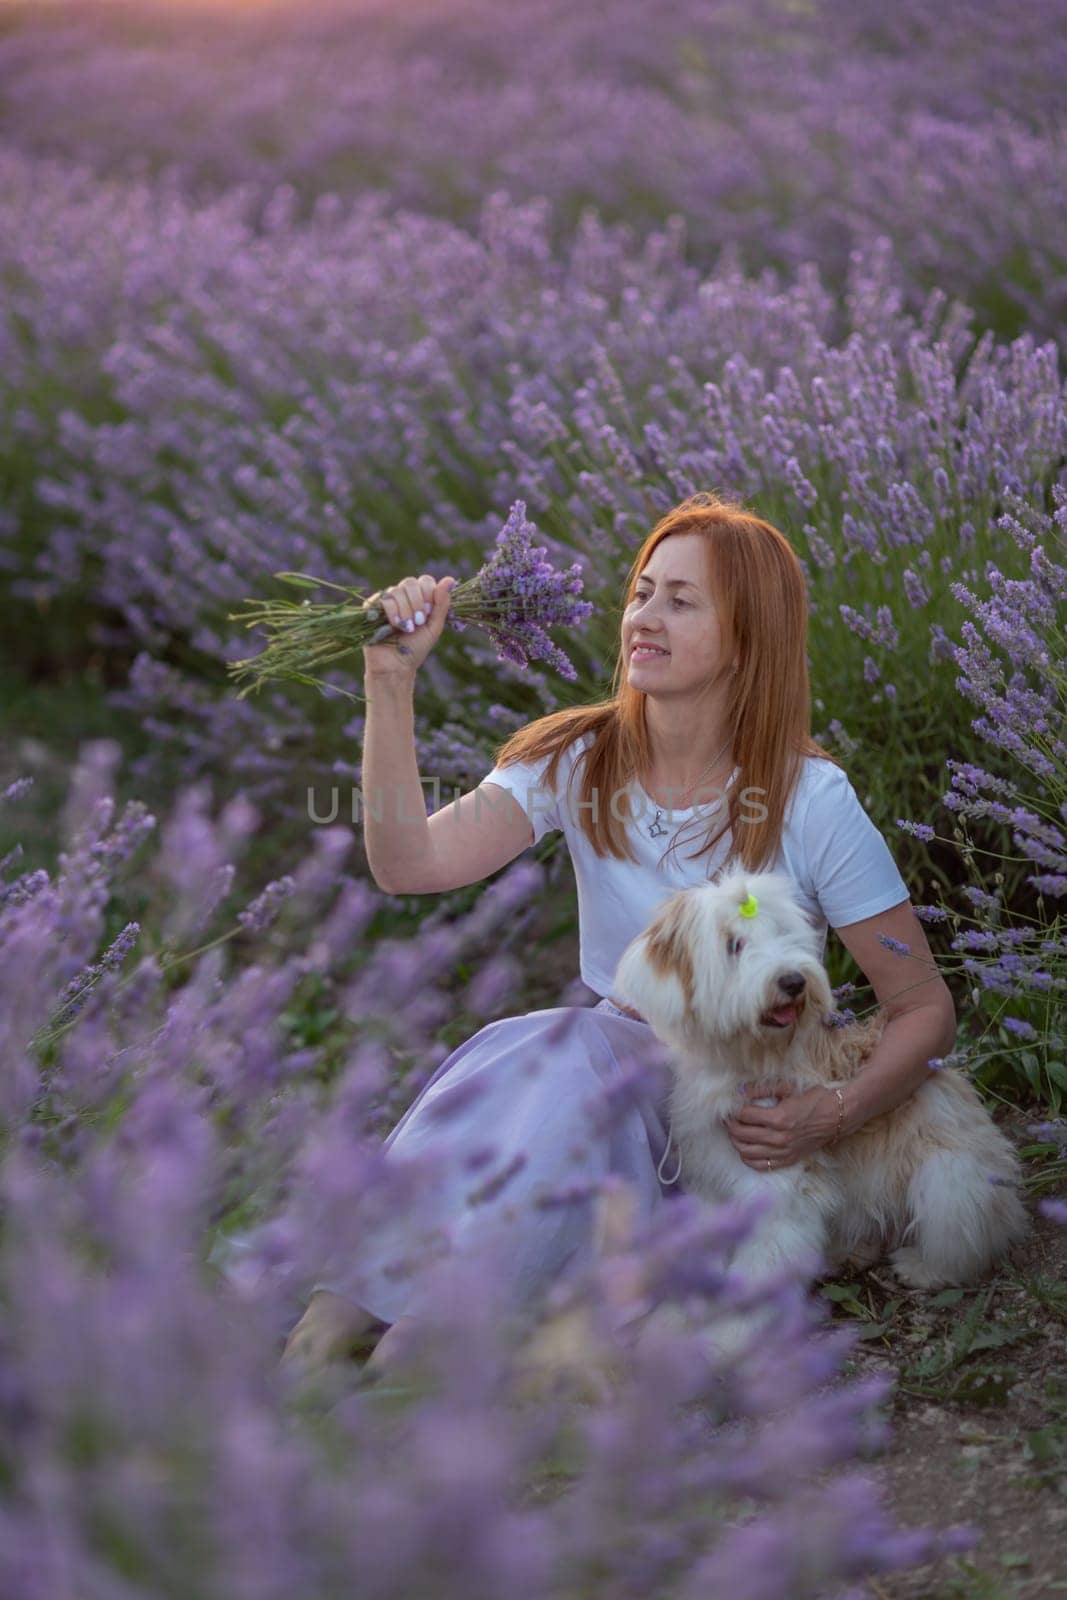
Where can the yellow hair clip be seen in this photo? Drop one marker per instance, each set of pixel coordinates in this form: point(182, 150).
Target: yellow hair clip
point(749, 907)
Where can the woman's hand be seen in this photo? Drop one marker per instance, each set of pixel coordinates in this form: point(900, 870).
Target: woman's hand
point(402, 604)
point(801, 1122)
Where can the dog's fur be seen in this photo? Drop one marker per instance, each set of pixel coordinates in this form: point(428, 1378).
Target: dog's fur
point(931, 1183)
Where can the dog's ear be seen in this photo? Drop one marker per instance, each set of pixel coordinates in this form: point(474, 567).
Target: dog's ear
point(655, 973)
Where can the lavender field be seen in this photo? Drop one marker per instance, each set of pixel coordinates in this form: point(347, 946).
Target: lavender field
point(334, 288)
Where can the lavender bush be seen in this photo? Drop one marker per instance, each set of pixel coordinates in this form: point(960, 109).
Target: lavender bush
point(196, 454)
point(790, 133)
point(1010, 949)
point(151, 1440)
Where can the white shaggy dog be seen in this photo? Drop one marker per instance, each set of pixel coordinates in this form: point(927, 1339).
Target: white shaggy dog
point(739, 998)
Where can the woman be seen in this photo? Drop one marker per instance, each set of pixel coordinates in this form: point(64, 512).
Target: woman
point(705, 740)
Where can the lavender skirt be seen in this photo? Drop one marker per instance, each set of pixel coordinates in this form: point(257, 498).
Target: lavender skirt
point(523, 1100)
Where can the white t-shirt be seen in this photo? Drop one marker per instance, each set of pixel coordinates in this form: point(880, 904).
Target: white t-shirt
point(840, 863)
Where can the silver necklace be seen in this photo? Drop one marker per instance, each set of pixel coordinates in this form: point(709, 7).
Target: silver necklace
point(654, 828)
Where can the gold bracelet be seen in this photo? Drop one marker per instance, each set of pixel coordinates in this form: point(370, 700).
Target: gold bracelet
point(840, 1118)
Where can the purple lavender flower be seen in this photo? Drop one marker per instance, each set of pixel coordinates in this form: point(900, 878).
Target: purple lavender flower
point(258, 916)
point(525, 595)
point(920, 830)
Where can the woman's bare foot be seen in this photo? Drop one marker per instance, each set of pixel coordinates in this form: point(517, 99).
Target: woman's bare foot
point(380, 1366)
point(329, 1329)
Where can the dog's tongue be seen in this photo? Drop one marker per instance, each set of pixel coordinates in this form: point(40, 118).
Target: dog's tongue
point(784, 1014)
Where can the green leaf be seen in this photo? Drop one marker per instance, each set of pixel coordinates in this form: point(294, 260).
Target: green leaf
point(857, 1309)
point(840, 1291)
point(985, 1385)
point(303, 580)
point(947, 1297)
point(996, 1335)
point(1045, 1444)
point(1032, 1067)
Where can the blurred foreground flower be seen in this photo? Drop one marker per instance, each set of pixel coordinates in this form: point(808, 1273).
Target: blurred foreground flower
point(515, 597)
point(184, 1160)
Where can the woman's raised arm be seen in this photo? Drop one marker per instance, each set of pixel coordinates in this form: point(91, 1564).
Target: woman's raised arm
point(462, 842)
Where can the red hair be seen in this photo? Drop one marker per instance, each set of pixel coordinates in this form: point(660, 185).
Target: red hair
point(758, 584)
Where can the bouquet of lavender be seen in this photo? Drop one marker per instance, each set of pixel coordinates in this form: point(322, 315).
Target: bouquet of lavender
point(515, 597)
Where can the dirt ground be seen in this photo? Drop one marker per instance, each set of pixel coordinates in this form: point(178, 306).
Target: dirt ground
point(979, 1417)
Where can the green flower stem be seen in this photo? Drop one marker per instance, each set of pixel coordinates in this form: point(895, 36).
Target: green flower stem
point(306, 635)
point(49, 1035)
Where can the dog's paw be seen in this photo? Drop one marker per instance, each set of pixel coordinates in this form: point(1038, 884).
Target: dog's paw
point(910, 1269)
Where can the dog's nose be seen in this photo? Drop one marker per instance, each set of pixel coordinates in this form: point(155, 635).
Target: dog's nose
point(792, 983)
